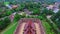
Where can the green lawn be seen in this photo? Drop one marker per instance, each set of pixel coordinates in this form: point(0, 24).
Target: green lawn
point(10, 29)
point(47, 27)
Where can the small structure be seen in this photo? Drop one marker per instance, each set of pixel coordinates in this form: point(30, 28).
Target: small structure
point(27, 11)
point(14, 6)
point(54, 7)
point(50, 7)
point(10, 6)
point(12, 16)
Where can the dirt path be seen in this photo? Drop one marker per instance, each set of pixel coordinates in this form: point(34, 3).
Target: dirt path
point(23, 25)
point(22, 28)
point(37, 28)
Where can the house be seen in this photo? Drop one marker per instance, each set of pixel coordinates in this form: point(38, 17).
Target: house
point(14, 6)
point(55, 10)
point(27, 11)
point(50, 7)
point(54, 7)
point(11, 6)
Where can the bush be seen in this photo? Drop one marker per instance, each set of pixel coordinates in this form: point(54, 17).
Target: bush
point(47, 12)
point(56, 19)
point(8, 12)
point(36, 11)
point(17, 17)
point(4, 23)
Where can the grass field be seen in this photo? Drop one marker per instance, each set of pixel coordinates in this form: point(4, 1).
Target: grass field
point(47, 27)
point(10, 29)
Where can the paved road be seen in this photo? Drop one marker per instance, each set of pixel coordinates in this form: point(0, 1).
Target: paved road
point(29, 26)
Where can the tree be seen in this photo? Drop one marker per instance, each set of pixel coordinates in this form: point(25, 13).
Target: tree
point(4, 23)
point(17, 17)
point(47, 12)
point(6, 20)
point(37, 5)
point(1, 23)
point(56, 19)
point(36, 11)
point(2, 15)
point(8, 12)
point(22, 6)
point(29, 5)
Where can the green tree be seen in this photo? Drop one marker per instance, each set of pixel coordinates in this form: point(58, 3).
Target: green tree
point(21, 7)
point(1, 25)
point(47, 12)
point(56, 18)
point(8, 12)
point(36, 11)
point(17, 17)
point(4, 23)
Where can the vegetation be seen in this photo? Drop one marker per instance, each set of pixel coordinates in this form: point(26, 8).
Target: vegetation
point(36, 8)
point(47, 27)
point(9, 12)
point(11, 28)
point(56, 18)
point(4, 23)
point(36, 11)
point(18, 17)
point(47, 12)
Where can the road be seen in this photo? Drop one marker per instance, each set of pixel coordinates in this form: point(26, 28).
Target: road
point(29, 26)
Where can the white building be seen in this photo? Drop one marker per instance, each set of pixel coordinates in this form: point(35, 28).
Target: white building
point(55, 10)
